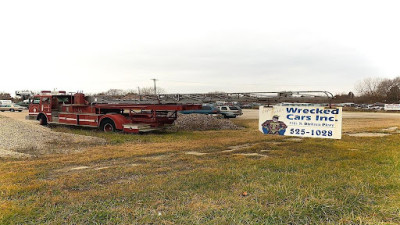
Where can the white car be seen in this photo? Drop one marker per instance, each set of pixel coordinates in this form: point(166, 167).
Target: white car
point(237, 111)
point(377, 107)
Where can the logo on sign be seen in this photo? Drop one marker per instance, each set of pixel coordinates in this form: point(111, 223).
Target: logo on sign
point(274, 126)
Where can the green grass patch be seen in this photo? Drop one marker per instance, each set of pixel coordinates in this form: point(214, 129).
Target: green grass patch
point(149, 179)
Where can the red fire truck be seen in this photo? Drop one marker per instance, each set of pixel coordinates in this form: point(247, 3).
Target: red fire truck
point(68, 109)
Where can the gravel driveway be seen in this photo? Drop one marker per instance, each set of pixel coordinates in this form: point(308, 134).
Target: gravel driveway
point(28, 138)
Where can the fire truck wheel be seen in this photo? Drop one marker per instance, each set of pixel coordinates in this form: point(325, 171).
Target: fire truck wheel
point(107, 125)
point(43, 120)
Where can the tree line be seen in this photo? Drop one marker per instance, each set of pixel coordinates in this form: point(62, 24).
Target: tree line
point(379, 90)
point(139, 91)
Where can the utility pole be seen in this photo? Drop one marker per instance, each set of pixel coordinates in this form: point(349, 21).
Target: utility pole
point(155, 86)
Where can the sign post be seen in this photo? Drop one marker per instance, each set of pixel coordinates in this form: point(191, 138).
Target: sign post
point(301, 121)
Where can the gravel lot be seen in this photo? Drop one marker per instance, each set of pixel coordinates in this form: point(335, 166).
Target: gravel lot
point(20, 138)
point(200, 122)
point(15, 115)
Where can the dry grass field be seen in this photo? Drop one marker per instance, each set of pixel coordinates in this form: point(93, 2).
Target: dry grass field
point(210, 177)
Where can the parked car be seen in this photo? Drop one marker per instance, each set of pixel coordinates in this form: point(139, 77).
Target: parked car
point(246, 106)
point(208, 109)
point(236, 110)
point(11, 108)
point(377, 108)
point(24, 103)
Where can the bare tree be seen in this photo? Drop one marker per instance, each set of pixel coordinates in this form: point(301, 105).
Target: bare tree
point(343, 97)
point(393, 94)
point(384, 86)
point(5, 96)
point(389, 88)
point(369, 87)
point(131, 92)
point(114, 92)
point(150, 91)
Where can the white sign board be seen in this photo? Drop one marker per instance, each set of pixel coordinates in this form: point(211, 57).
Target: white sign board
point(5, 102)
point(301, 121)
point(392, 106)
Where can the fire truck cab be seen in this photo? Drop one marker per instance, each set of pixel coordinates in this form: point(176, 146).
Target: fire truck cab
point(75, 109)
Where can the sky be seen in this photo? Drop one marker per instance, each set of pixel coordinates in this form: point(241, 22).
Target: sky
point(197, 46)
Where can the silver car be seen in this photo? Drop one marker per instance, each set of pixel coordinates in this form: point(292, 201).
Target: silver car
point(232, 109)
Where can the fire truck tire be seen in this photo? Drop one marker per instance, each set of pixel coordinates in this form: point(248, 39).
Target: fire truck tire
point(42, 120)
point(107, 125)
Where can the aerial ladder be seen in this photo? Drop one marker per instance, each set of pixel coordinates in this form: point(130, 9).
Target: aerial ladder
point(264, 98)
